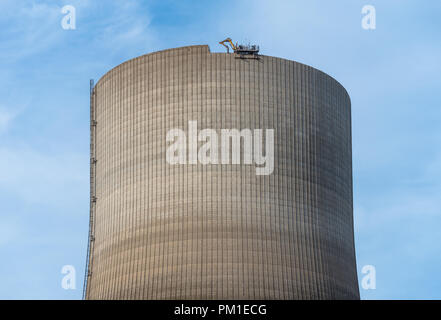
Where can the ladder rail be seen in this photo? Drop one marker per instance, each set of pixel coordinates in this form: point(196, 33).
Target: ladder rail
point(91, 233)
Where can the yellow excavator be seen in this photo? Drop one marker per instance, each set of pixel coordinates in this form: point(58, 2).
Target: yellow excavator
point(234, 47)
point(240, 49)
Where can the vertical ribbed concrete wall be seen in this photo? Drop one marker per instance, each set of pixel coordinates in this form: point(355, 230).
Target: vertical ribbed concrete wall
point(164, 231)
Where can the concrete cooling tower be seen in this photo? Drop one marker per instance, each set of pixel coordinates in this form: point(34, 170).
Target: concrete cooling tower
point(220, 176)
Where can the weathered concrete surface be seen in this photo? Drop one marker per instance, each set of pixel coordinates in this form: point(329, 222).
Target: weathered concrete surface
point(219, 231)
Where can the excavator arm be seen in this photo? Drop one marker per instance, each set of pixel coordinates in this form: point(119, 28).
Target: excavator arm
point(234, 47)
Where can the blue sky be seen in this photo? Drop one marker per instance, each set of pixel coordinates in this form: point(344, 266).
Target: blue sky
point(392, 74)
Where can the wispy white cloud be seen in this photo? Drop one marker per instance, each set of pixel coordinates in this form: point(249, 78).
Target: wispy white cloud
point(35, 27)
point(30, 28)
point(36, 177)
point(123, 27)
point(6, 117)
